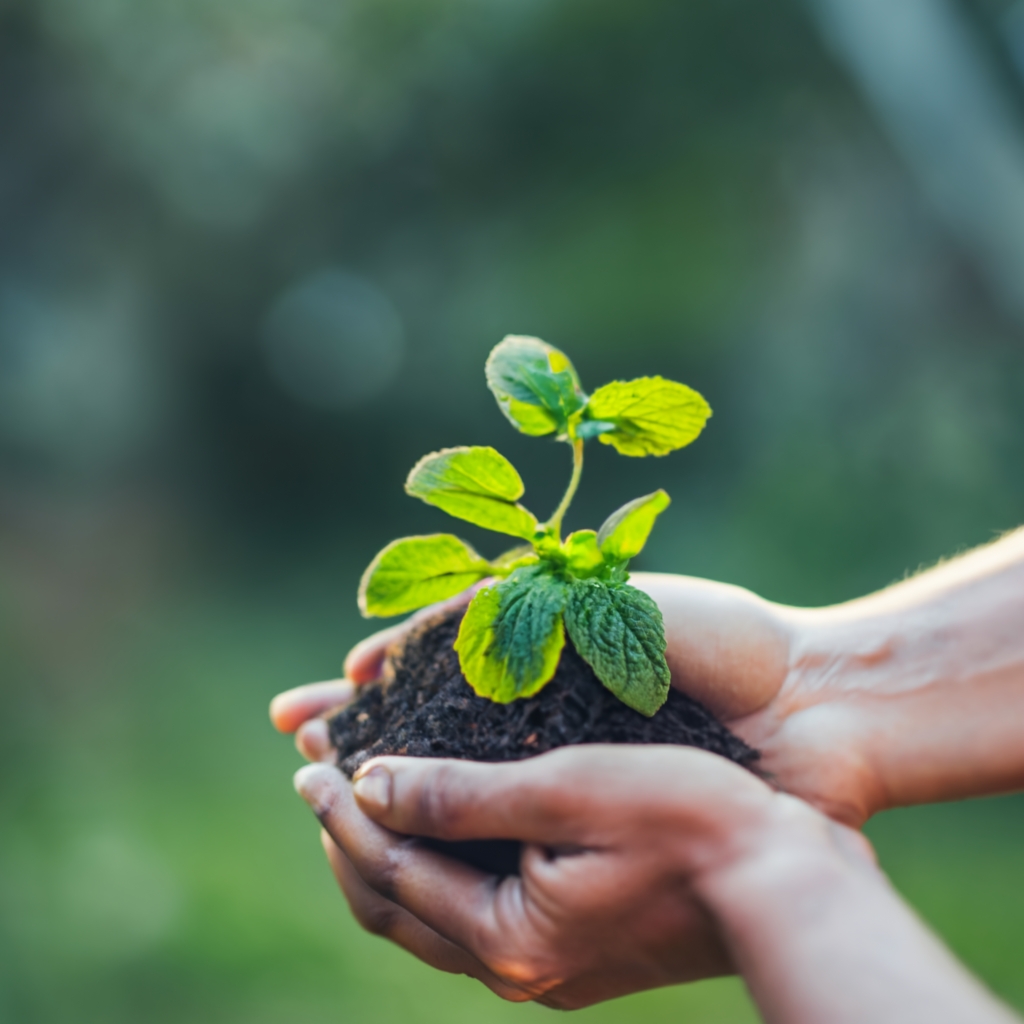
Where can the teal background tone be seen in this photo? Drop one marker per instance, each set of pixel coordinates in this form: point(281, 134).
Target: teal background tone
point(252, 258)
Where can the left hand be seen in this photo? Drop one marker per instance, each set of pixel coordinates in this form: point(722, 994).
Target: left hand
point(305, 710)
point(622, 846)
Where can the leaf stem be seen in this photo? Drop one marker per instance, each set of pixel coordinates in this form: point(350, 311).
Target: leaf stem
point(554, 525)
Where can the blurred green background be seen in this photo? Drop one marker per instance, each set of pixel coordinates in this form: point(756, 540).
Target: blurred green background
point(252, 256)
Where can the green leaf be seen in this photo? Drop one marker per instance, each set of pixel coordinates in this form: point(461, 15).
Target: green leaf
point(535, 385)
point(652, 416)
point(416, 571)
point(509, 561)
point(512, 635)
point(619, 632)
point(583, 556)
point(475, 484)
point(624, 533)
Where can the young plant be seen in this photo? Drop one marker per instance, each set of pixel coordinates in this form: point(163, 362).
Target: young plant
point(514, 630)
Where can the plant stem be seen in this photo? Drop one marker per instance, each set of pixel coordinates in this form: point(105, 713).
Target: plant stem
point(554, 524)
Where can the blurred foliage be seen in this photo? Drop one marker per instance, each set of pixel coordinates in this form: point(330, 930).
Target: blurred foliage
point(251, 252)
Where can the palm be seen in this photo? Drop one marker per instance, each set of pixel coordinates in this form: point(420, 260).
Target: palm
point(735, 653)
point(727, 648)
point(806, 749)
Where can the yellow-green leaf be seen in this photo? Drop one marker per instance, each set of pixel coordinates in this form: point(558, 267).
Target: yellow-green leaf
point(652, 416)
point(416, 571)
point(619, 632)
point(476, 484)
point(535, 384)
point(583, 556)
point(512, 635)
point(513, 559)
point(625, 532)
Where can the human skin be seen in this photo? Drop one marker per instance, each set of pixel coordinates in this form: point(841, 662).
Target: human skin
point(911, 695)
point(644, 866)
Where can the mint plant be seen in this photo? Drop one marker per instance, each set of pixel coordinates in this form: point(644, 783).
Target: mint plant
point(513, 632)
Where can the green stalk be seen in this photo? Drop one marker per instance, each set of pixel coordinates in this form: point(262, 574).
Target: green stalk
point(554, 525)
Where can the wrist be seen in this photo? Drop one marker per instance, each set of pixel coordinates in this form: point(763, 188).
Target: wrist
point(787, 870)
point(818, 934)
point(890, 704)
point(827, 733)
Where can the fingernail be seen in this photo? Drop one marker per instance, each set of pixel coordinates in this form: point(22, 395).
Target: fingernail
point(373, 790)
point(312, 783)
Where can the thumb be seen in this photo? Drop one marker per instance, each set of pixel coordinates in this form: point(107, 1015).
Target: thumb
point(448, 799)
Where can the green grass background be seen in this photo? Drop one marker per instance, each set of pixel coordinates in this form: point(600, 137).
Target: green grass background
point(698, 190)
point(155, 864)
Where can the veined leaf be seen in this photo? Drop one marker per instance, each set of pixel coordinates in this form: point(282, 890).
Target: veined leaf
point(512, 635)
point(583, 556)
point(625, 532)
point(416, 571)
point(475, 484)
point(535, 385)
point(652, 416)
point(619, 632)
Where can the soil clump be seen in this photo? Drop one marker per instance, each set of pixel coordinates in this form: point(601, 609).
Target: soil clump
point(425, 708)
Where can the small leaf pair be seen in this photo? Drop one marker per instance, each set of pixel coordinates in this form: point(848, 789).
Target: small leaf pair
point(512, 636)
point(514, 630)
point(478, 485)
point(539, 391)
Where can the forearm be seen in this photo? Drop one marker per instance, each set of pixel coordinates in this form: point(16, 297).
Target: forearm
point(911, 695)
point(819, 938)
point(929, 674)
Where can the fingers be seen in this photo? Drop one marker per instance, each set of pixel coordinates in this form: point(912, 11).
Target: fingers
point(576, 796)
point(382, 917)
point(450, 898)
point(290, 709)
point(366, 659)
point(364, 662)
point(313, 740)
point(448, 799)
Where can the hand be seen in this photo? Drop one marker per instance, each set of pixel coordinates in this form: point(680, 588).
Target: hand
point(727, 648)
point(911, 695)
point(305, 709)
point(623, 844)
point(746, 660)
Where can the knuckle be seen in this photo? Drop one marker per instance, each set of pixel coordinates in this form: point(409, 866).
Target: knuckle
point(376, 918)
point(524, 972)
point(528, 976)
point(383, 875)
point(438, 802)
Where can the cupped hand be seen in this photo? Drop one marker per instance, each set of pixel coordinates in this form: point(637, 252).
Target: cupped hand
point(622, 846)
point(304, 710)
point(781, 679)
point(729, 649)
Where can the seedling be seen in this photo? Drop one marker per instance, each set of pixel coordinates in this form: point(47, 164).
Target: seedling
point(514, 630)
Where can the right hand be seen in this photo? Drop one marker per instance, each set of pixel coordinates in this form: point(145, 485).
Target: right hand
point(627, 848)
point(727, 648)
point(911, 695)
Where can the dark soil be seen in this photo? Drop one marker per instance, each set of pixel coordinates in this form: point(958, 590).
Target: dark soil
point(425, 708)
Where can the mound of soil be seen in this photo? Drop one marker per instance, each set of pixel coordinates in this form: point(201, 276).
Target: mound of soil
point(425, 708)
